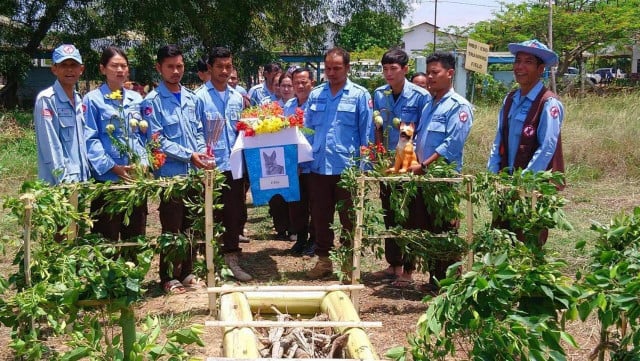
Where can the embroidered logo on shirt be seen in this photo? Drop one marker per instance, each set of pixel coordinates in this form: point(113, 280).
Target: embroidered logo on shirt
point(47, 114)
point(528, 131)
point(84, 108)
point(463, 116)
point(148, 110)
point(555, 112)
point(370, 103)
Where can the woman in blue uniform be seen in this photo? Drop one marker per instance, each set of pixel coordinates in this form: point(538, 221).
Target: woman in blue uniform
point(115, 147)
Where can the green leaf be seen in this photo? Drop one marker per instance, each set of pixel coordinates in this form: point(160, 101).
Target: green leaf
point(396, 353)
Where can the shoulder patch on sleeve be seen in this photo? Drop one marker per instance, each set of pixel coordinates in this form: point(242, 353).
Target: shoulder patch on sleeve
point(463, 116)
point(47, 114)
point(554, 111)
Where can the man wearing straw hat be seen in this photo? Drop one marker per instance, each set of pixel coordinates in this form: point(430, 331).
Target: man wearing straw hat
point(528, 133)
point(219, 107)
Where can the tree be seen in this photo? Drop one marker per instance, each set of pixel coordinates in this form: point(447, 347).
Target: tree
point(578, 27)
point(368, 29)
point(23, 31)
point(252, 29)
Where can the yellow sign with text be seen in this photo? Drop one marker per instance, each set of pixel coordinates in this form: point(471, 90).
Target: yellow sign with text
point(477, 56)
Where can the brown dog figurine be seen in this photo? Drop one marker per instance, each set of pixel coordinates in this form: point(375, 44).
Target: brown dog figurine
point(405, 154)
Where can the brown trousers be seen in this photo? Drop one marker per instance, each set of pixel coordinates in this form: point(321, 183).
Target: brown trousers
point(324, 195)
point(111, 226)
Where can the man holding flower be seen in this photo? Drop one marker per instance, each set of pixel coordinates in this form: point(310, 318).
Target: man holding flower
point(397, 101)
point(219, 107)
point(170, 110)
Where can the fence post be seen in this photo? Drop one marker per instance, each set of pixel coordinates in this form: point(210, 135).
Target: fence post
point(209, 180)
point(469, 223)
point(357, 241)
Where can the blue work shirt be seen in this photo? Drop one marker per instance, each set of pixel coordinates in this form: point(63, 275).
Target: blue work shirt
point(290, 109)
point(443, 129)
point(59, 125)
point(180, 130)
point(99, 111)
point(228, 107)
point(551, 118)
point(260, 94)
point(341, 125)
point(408, 108)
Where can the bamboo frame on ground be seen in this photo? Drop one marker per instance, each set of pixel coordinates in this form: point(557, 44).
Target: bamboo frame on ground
point(358, 237)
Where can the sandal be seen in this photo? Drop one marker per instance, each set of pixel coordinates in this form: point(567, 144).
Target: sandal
point(384, 275)
point(403, 284)
point(174, 287)
point(192, 281)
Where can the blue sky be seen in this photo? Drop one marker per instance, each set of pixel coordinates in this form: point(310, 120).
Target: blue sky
point(455, 12)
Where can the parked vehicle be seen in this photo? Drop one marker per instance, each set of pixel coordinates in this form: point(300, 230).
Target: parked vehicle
point(573, 73)
point(608, 74)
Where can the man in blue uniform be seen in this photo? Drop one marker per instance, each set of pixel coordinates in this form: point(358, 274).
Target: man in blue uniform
point(170, 110)
point(339, 113)
point(528, 132)
point(59, 122)
point(217, 101)
point(531, 59)
point(265, 92)
point(444, 126)
point(397, 101)
point(299, 211)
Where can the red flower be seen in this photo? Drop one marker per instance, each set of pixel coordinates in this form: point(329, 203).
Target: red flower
point(249, 132)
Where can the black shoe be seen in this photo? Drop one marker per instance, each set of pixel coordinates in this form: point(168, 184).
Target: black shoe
point(299, 247)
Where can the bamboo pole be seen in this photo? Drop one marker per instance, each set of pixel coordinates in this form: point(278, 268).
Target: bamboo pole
point(208, 236)
point(327, 288)
point(278, 359)
point(339, 308)
point(28, 200)
point(469, 224)
point(357, 242)
point(128, 324)
point(300, 302)
point(237, 342)
point(72, 230)
point(309, 324)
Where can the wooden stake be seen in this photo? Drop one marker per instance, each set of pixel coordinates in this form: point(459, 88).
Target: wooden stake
point(208, 236)
point(308, 324)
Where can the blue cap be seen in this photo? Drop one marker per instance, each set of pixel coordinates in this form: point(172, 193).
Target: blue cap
point(536, 48)
point(64, 52)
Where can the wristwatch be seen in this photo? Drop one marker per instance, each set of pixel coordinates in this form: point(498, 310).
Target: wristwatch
point(424, 167)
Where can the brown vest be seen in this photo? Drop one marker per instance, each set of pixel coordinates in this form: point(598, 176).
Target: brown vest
point(528, 138)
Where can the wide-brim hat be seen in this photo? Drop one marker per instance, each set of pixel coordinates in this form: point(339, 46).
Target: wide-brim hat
point(64, 52)
point(536, 48)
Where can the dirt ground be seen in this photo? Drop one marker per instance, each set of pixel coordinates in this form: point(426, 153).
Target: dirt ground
point(267, 260)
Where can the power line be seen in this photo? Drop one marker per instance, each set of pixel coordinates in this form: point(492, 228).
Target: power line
point(459, 3)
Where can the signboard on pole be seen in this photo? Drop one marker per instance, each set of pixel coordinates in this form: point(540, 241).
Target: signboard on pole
point(477, 56)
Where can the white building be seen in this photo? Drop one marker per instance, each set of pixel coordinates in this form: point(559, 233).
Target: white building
point(418, 38)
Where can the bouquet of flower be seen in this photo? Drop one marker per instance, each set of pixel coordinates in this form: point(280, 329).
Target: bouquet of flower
point(128, 124)
point(156, 156)
point(268, 118)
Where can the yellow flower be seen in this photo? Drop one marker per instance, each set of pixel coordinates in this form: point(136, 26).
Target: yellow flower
point(143, 126)
point(133, 122)
point(115, 95)
point(110, 128)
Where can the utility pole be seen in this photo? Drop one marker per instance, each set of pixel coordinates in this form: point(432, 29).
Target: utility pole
point(435, 26)
point(553, 73)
